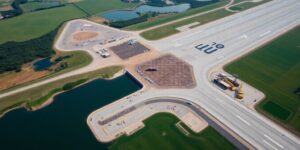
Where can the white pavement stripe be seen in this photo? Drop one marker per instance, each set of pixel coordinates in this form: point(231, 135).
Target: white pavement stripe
point(187, 36)
point(263, 34)
point(243, 37)
point(270, 145)
point(246, 122)
point(272, 140)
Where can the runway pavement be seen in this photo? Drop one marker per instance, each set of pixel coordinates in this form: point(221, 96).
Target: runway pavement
point(240, 34)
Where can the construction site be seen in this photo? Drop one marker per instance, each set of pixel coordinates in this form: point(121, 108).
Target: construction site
point(232, 86)
point(167, 71)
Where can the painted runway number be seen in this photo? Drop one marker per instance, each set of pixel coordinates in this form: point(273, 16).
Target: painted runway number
point(209, 48)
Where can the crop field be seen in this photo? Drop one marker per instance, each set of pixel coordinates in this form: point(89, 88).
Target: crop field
point(160, 132)
point(35, 24)
point(275, 70)
point(93, 7)
point(32, 6)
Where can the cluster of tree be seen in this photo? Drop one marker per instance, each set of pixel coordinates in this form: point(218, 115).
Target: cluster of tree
point(159, 3)
point(61, 66)
point(17, 10)
point(53, 6)
point(125, 23)
point(195, 3)
point(297, 91)
point(14, 54)
point(131, 1)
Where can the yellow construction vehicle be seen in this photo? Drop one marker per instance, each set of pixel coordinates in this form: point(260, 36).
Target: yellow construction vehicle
point(232, 87)
point(240, 92)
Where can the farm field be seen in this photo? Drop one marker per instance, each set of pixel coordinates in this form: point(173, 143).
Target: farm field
point(160, 132)
point(275, 70)
point(32, 6)
point(92, 7)
point(35, 24)
point(167, 30)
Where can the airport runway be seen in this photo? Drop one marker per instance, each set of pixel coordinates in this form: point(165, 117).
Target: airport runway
point(239, 34)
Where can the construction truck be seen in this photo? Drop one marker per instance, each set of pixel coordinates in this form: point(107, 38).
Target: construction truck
point(232, 87)
point(239, 93)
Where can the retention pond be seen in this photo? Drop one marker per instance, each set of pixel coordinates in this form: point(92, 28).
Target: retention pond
point(62, 125)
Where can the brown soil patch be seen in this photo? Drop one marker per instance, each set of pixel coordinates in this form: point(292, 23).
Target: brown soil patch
point(81, 36)
point(27, 74)
point(5, 8)
point(97, 19)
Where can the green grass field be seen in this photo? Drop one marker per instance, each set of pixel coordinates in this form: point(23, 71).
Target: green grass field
point(160, 133)
point(32, 6)
point(36, 24)
point(275, 70)
point(93, 7)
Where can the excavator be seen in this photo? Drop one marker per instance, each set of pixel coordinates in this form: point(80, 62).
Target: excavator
point(232, 87)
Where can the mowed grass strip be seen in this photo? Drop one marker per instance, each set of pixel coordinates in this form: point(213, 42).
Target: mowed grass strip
point(159, 21)
point(167, 30)
point(160, 132)
point(36, 24)
point(275, 70)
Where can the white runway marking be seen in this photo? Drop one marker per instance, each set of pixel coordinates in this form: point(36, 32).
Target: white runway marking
point(270, 145)
point(177, 44)
point(187, 36)
point(272, 140)
point(243, 37)
point(263, 34)
point(246, 122)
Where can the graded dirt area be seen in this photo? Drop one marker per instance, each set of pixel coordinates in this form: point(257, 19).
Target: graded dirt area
point(168, 71)
point(82, 36)
point(27, 74)
point(5, 8)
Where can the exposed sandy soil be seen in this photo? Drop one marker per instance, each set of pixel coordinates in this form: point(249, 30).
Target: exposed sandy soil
point(5, 8)
point(97, 19)
point(27, 74)
point(85, 35)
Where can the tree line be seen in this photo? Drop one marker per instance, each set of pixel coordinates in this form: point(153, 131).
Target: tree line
point(14, 54)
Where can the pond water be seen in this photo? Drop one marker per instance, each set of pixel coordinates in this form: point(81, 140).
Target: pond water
point(121, 15)
point(62, 125)
point(42, 64)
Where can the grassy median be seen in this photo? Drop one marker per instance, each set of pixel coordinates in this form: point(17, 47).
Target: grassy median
point(275, 70)
point(160, 132)
point(167, 30)
point(172, 17)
